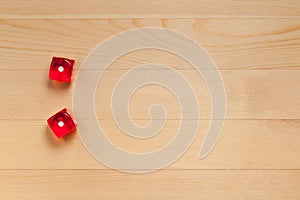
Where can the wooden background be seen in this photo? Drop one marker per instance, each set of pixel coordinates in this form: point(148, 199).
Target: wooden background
point(256, 46)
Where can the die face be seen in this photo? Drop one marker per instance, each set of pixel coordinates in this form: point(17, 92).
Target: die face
point(61, 123)
point(61, 69)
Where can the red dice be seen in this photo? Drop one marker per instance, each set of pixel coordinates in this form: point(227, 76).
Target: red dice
point(61, 69)
point(62, 123)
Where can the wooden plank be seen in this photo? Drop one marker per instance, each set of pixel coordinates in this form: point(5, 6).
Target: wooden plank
point(257, 94)
point(172, 184)
point(244, 144)
point(232, 43)
point(145, 9)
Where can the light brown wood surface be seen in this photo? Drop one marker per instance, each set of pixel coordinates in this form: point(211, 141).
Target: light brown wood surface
point(256, 46)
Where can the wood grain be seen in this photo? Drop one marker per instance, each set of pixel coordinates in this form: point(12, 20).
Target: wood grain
point(255, 44)
point(232, 43)
point(244, 144)
point(190, 184)
point(38, 9)
point(29, 95)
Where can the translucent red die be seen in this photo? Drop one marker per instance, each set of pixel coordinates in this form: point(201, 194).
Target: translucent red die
point(62, 123)
point(61, 69)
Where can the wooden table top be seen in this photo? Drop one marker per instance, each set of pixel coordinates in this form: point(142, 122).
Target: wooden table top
point(256, 46)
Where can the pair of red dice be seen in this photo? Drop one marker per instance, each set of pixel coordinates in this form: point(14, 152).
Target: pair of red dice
point(61, 123)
